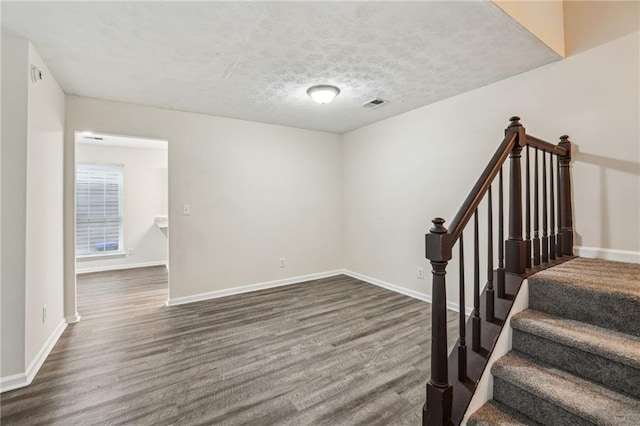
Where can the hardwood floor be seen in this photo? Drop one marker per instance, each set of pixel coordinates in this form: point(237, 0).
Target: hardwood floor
point(334, 351)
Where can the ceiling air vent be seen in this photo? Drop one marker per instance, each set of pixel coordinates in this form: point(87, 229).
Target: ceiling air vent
point(376, 103)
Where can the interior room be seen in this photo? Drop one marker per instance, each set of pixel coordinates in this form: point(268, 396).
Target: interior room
point(303, 213)
point(129, 176)
point(121, 209)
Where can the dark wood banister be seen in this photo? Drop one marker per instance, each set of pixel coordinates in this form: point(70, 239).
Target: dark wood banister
point(480, 188)
point(440, 241)
point(546, 146)
point(490, 172)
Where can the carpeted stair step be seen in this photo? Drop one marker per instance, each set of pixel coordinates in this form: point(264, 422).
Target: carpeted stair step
point(595, 353)
point(495, 414)
point(598, 292)
point(555, 397)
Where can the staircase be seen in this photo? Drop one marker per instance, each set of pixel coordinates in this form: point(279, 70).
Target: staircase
point(538, 199)
point(576, 350)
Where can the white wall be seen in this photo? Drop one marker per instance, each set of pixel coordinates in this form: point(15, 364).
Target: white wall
point(258, 192)
point(15, 65)
point(145, 197)
point(44, 273)
point(402, 172)
point(32, 236)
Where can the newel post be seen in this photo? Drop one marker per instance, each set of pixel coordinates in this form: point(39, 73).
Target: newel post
point(437, 409)
point(566, 211)
point(515, 246)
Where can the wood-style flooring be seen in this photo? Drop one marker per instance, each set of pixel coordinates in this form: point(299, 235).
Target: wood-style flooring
point(334, 351)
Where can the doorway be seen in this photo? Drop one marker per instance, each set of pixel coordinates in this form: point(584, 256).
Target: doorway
point(121, 226)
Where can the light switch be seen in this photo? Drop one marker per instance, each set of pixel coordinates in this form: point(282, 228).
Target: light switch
point(186, 209)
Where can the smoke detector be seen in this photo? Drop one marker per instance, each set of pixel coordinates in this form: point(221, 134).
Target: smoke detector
point(36, 74)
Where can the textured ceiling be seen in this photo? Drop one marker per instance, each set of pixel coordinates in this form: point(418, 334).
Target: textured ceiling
point(255, 60)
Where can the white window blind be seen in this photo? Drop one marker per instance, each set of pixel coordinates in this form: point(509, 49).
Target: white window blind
point(99, 209)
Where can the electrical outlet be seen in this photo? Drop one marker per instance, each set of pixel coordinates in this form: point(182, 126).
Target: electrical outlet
point(130, 252)
point(282, 262)
point(421, 273)
point(44, 313)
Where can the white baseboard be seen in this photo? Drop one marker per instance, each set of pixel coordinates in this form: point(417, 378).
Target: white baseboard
point(294, 280)
point(72, 319)
point(119, 267)
point(607, 254)
point(42, 355)
point(407, 292)
point(252, 287)
point(24, 379)
point(12, 382)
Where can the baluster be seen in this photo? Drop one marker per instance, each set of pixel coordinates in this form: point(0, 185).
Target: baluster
point(528, 212)
point(437, 408)
point(475, 344)
point(500, 271)
point(514, 247)
point(559, 213)
point(545, 233)
point(552, 211)
point(566, 223)
point(490, 297)
point(536, 222)
point(462, 346)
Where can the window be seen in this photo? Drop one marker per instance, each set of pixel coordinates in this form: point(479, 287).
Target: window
point(99, 210)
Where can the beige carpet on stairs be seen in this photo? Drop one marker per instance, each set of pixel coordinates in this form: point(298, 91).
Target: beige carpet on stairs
point(576, 350)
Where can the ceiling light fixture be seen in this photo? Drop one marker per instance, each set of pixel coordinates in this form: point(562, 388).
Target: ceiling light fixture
point(323, 94)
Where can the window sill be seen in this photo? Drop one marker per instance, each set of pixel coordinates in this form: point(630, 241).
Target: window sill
point(86, 257)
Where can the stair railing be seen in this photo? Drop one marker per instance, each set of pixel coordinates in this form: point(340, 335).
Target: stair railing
point(518, 256)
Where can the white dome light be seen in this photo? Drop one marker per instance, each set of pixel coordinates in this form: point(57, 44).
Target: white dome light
point(323, 94)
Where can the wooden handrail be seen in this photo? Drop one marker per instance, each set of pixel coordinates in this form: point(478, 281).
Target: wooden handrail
point(514, 256)
point(546, 146)
point(480, 188)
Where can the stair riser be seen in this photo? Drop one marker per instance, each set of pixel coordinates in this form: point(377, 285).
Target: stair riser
point(610, 310)
point(533, 406)
point(496, 414)
point(612, 374)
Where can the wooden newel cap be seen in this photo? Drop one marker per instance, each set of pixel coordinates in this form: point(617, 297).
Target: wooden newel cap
point(565, 143)
point(515, 121)
point(438, 226)
point(438, 242)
